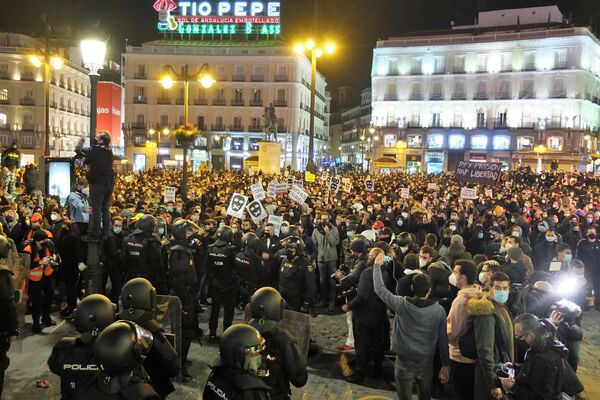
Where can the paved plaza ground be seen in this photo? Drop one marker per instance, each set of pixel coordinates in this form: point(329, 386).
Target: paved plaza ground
point(325, 379)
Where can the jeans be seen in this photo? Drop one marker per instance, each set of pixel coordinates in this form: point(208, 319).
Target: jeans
point(41, 293)
point(326, 268)
point(406, 372)
point(100, 197)
point(463, 379)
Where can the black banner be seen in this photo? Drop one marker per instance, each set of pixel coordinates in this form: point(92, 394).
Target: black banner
point(478, 172)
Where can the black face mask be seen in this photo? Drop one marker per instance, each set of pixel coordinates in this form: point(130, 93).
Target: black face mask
point(592, 236)
point(290, 254)
point(35, 228)
point(9, 218)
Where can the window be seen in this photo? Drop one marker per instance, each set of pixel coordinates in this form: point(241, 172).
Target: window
point(456, 142)
point(140, 92)
point(555, 143)
point(480, 118)
point(256, 96)
point(558, 89)
point(237, 143)
point(527, 90)
point(4, 70)
point(3, 94)
point(501, 142)
point(238, 73)
point(3, 119)
point(438, 65)
point(436, 120)
point(560, 59)
point(164, 120)
point(414, 141)
point(416, 66)
point(280, 95)
point(503, 90)
point(29, 95)
point(390, 92)
point(201, 142)
point(253, 144)
point(200, 122)
point(501, 120)
point(238, 95)
point(436, 92)
point(140, 118)
point(525, 143)
point(141, 71)
point(415, 93)
point(457, 120)
point(529, 63)
point(435, 141)
point(257, 72)
point(27, 140)
point(27, 119)
point(459, 64)
point(389, 140)
point(479, 142)
point(459, 91)
point(237, 122)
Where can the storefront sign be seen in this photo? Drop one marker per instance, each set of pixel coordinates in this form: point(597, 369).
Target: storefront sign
point(478, 172)
point(219, 17)
point(108, 111)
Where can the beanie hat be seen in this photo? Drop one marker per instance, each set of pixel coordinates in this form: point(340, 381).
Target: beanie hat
point(40, 235)
point(37, 217)
point(358, 246)
point(378, 225)
point(515, 253)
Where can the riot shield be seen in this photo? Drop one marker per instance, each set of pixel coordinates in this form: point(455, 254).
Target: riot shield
point(168, 315)
point(296, 324)
point(18, 263)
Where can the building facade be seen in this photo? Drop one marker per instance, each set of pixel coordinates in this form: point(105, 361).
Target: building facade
point(357, 144)
point(250, 75)
point(22, 99)
point(518, 86)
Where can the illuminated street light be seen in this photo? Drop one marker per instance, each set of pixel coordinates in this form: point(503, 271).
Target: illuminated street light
point(35, 61)
point(310, 44)
point(330, 48)
point(151, 131)
point(319, 52)
point(207, 81)
point(167, 82)
point(166, 131)
point(57, 62)
point(93, 51)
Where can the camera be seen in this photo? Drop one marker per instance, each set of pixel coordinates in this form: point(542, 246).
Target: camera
point(504, 371)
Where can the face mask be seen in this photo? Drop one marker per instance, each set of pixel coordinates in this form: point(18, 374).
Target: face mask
point(404, 215)
point(54, 217)
point(542, 228)
point(400, 222)
point(453, 228)
point(117, 230)
point(452, 280)
point(290, 254)
point(178, 209)
point(404, 249)
point(516, 234)
point(388, 259)
point(479, 235)
point(376, 231)
point(350, 233)
point(500, 296)
point(85, 191)
point(482, 277)
point(568, 257)
point(221, 224)
point(422, 262)
point(389, 210)
point(591, 236)
point(170, 209)
point(550, 239)
point(161, 231)
point(589, 220)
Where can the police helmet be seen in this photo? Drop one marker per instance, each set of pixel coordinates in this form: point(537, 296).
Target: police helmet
point(4, 246)
point(94, 313)
point(266, 309)
point(183, 226)
point(250, 241)
point(294, 242)
point(290, 230)
point(225, 234)
point(103, 138)
point(147, 223)
point(241, 346)
point(122, 347)
point(138, 299)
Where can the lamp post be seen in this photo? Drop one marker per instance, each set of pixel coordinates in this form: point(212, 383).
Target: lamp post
point(167, 81)
point(315, 53)
point(158, 132)
point(93, 52)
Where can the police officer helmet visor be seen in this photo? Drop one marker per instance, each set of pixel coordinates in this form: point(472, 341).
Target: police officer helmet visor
point(253, 362)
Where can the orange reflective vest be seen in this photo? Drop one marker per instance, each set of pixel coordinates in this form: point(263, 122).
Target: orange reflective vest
point(36, 274)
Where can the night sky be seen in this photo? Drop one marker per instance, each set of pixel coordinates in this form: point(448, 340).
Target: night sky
point(354, 24)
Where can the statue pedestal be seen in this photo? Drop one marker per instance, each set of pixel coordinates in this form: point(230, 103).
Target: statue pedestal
point(269, 157)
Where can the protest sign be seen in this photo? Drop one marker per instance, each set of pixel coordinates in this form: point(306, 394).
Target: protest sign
point(169, 193)
point(237, 205)
point(298, 195)
point(468, 193)
point(276, 221)
point(257, 211)
point(478, 172)
point(257, 191)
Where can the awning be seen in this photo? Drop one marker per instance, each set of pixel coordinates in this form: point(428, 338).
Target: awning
point(386, 162)
point(251, 161)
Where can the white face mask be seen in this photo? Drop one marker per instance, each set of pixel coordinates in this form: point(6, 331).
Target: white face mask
point(54, 217)
point(422, 262)
point(85, 191)
point(483, 277)
point(404, 249)
point(452, 280)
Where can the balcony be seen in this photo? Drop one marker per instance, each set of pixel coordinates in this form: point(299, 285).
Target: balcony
point(459, 96)
point(138, 125)
point(500, 123)
point(416, 97)
point(238, 78)
point(4, 75)
point(4, 101)
point(456, 123)
point(390, 97)
point(416, 70)
point(179, 101)
point(481, 124)
point(140, 75)
point(218, 102)
point(458, 70)
point(257, 78)
point(200, 102)
point(140, 100)
point(27, 77)
point(282, 129)
point(526, 94)
point(280, 103)
point(502, 96)
point(561, 94)
point(28, 127)
point(256, 103)
point(281, 78)
point(560, 65)
point(217, 127)
point(237, 102)
point(528, 67)
point(480, 96)
point(236, 128)
point(27, 101)
point(255, 128)
point(164, 100)
point(436, 96)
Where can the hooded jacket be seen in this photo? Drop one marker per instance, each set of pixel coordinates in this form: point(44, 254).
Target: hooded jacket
point(456, 323)
point(456, 251)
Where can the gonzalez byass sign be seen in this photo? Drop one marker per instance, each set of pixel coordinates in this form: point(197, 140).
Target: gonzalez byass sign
point(219, 18)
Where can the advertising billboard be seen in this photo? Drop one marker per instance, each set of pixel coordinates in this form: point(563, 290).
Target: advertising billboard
point(109, 111)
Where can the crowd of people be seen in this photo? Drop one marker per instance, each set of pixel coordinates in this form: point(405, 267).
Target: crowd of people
point(481, 298)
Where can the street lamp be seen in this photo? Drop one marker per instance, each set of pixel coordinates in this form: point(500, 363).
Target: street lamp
point(315, 53)
point(168, 81)
point(93, 52)
point(158, 133)
point(56, 62)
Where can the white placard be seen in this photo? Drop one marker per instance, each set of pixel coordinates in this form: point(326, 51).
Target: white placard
point(405, 193)
point(298, 195)
point(468, 193)
point(169, 193)
point(290, 182)
point(281, 188)
point(299, 183)
point(250, 171)
point(258, 192)
point(276, 221)
point(347, 187)
point(334, 184)
point(236, 205)
point(489, 192)
point(257, 211)
point(369, 185)
point(324, 176)
point(432, 186)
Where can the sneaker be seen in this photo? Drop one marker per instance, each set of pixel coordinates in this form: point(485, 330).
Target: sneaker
point(344, 347)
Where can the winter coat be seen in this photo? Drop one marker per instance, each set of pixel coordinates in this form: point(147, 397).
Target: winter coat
point(440, 287)
point(456, 323)
point(326, 244)
point(455, 253)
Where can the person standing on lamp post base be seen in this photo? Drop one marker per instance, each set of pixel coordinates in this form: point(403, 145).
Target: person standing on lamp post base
point(101, 178)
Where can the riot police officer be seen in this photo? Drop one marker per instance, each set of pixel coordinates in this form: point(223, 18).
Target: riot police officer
point(237, 375)
point(138, 304)
point(183, 281)
point(8, 310)
point(142, 251)
point(283, 360)
point(280, 252)
point(297, 276)
point(72, 358)
point(249, 266)
point(223, 284)
point(120, 351)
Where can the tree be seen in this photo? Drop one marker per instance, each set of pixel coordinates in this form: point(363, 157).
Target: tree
point(185, 136)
